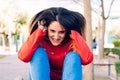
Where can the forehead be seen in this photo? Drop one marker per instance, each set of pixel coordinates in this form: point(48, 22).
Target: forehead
point(55, 25)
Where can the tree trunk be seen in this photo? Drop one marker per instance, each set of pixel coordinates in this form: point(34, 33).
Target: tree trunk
point(6, 40)
point(87, 13)
point(102, 30)
point(101, 41)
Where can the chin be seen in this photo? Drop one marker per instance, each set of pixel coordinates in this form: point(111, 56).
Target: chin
point(55, 44)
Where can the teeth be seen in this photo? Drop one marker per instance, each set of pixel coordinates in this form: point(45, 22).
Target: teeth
point(56, 40)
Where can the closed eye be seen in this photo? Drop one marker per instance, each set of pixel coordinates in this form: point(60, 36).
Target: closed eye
point(62, 32)
point(52, 31)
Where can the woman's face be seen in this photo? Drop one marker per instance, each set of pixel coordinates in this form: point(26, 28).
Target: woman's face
point(56, 33)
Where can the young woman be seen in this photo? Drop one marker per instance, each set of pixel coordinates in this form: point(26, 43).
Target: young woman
point(56, 48)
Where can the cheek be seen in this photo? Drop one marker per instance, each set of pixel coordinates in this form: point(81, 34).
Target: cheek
point(63, 36)
point(49, 33)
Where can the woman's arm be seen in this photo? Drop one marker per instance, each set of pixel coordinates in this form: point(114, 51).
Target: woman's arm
point(81, 47)
point(29, 46)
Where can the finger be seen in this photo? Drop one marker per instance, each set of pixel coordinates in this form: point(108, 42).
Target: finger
point(45, 28)
point(42, 22)
point(38, 23)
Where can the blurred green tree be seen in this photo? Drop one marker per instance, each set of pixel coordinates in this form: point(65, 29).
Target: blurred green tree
point(20, 20)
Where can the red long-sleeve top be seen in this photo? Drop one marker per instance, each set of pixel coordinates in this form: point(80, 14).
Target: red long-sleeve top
point(56, 54)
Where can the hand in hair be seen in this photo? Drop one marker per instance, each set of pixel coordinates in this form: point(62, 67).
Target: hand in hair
point(41, 25)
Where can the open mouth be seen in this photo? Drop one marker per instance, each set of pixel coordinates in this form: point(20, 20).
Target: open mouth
point(55, 41)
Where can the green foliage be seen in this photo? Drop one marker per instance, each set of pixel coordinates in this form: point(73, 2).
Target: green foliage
point(116, 42)
point(117, 66)
point(116, 50)
point(2, 56)
point(21, 19)
point(107, 51)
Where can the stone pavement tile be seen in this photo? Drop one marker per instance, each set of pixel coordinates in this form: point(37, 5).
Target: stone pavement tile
point(11, 67)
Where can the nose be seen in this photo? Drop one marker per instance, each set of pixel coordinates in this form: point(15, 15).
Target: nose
point(56, 36)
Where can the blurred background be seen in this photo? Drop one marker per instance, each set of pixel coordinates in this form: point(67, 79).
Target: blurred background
point(15, 16)
point(104, 29)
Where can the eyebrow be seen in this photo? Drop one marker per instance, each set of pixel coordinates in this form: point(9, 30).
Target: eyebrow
point(59, 31)
point(62, 30)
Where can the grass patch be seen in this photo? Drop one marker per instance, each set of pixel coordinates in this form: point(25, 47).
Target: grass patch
point(2, 56)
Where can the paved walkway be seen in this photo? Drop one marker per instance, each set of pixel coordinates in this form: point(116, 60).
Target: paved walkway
point(11, 67)
point(104, 72)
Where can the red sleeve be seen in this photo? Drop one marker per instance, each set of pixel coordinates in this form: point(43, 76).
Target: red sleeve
point(81, 47)
point(29, 46)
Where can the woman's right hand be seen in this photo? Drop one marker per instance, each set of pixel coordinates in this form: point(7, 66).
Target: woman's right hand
point(40, 25)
